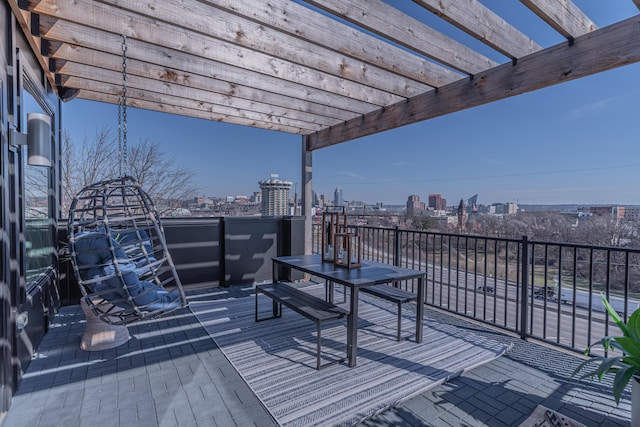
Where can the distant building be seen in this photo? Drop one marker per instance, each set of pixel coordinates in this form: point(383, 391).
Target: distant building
point(447, 221)
point(632, 213)
point(436, 202)
point(338, 199)
point(197, 202)
point(612, 212)
point(472, 204)
point(275, 196)
point(241, 199)
point(415, 206)
point(503, 208)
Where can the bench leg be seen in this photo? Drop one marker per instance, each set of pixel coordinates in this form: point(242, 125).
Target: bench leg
point(277, 309)
point(319, 364)
point(319, 344)
point(399, 320)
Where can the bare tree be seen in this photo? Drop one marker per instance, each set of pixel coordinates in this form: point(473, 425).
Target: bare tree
point(96, 160)
point(158, 175)
point(602, 231)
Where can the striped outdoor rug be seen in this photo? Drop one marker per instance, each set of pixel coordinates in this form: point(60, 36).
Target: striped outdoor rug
point(277, 358)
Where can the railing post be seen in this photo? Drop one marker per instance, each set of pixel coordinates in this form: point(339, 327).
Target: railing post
point(223, 253)
point(397, 255)
point(524, 286)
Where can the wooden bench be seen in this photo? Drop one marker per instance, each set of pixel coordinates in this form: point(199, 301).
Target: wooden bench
point(303, 303)
point(397, 295)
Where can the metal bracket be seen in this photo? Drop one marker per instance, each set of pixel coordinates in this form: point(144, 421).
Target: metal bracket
point(17, 138)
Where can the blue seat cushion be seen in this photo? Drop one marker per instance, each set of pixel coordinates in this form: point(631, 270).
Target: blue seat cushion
point(99, 256)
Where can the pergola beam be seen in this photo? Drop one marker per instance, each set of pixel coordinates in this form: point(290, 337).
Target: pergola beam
point(67, 59)
point(187, 112)
point(564, 16)
point(483, 24)
point(141, 88)
point(607, 48)
point(320, 30)
point(389, 22)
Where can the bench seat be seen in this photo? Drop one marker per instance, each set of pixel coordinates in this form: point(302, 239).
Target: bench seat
point(396, 295)
point(315, 309)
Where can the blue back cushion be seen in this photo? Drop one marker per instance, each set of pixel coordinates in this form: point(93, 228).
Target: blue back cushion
point(97, 255)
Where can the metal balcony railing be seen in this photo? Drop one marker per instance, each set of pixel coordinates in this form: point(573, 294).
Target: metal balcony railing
point(544, 290)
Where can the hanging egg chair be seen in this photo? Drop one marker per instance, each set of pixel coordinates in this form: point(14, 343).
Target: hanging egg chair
point(119, 253)
point(117, 245)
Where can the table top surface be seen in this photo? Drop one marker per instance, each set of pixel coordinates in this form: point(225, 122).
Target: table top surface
point(369, 273)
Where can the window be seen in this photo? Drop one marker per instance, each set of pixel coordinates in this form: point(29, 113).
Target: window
point(39, 218)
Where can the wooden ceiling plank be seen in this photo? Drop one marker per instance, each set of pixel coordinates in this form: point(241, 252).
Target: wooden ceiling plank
point(564, 16)
point(76, 36)
point(479, 21)
point(95, 15)
point(319, 29)
point(135, 95)
point(68, 56)
point(395, 25)
point(600, 50)
point(199, 114)
point(80, 71)
point(219, 24)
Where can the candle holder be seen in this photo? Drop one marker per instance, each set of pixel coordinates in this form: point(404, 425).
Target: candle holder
point(348, 250)
point(331, 224)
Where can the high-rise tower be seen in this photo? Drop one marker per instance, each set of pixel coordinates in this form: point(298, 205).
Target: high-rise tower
point(415, 206)
point(436, 202)
point(275, 196)
point(338, 200)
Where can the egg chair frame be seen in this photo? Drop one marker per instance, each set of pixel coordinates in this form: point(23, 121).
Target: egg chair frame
point(119, 253)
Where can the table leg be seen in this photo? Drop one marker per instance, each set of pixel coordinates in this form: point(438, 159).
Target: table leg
point(420, 309)
point(274, 275)
point(329, 289)
point(274, 272)
point(352, 328)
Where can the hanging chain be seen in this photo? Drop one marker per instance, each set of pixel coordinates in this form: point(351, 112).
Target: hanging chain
point(122, 111)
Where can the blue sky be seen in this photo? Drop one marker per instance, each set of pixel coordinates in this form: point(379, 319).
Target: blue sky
point(578, 142)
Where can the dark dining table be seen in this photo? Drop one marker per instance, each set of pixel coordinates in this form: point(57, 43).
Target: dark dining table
point(369, 273)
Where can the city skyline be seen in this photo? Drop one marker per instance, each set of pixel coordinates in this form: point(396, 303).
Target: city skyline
point(574, 143)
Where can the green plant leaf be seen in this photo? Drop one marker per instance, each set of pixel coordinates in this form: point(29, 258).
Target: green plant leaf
point(608, 343)
point(630, 347)
point(621, 380)
point(626, 366)
point(606, 365)
point(609, 364)
point(633, 325)
point(614, 315)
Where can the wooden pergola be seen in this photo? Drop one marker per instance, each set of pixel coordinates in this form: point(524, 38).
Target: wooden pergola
point(330, 70)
